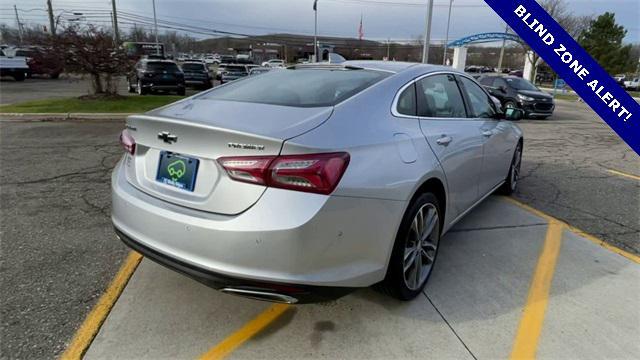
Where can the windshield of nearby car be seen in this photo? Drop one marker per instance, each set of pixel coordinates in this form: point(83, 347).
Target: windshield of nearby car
point(521, 84)
point(162, 66)
point(299, 87)
point(192, 66)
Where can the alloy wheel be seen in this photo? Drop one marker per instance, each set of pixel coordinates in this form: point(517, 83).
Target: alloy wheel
point(421, 246)
point(515, 168)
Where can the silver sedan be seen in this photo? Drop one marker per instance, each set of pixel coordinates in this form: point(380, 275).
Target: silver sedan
point(302, 184)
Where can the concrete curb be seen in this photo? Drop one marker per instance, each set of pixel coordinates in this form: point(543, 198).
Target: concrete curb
point(62, 116)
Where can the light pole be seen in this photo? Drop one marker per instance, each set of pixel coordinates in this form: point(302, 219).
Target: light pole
point(506, 31)
point(155, 25)
point(446, 37)
point(315, 31)
point(427, 33)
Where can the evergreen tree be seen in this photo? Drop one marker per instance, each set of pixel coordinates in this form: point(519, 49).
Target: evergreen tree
point(603, 41)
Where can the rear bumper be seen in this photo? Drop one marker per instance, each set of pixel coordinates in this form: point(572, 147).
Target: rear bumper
point(299, 294)
point(287, 237)
point(166, 87)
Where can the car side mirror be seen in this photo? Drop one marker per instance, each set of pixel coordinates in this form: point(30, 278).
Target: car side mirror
point(513, 114)
point(503, 88)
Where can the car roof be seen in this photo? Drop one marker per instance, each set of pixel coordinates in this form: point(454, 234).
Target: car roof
point(158, 60)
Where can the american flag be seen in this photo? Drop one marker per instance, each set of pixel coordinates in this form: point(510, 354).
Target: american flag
point(360, 30)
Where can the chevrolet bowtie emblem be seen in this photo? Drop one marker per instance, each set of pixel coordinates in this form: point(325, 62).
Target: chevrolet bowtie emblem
point(167, 137)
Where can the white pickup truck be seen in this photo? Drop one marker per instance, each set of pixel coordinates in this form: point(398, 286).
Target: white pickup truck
point(15, 67)
point(633, 84)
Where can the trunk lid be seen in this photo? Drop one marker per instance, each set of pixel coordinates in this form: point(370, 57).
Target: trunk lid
point(206, 130)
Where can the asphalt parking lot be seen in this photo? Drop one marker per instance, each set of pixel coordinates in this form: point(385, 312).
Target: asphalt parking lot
point(60, 255)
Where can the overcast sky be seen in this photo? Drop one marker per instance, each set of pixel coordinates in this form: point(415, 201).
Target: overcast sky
point(395, 19)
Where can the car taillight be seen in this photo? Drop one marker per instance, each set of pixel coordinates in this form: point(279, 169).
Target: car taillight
point(316, 173)
point(251, 169)
point(127, 142)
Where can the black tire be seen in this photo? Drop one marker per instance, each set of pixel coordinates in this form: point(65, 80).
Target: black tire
point(208, 85)
point(513, 177)
point(509, 104)
point(54, 75)
point(131, 88)
point(19, 76)
point(395, 282)
point(182, 91)
point(140, 89)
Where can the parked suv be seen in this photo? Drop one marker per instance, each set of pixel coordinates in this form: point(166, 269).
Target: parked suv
point(515, 92)
point(233, 72)
point(196, 73)
point(273, 63)
point(156, 75)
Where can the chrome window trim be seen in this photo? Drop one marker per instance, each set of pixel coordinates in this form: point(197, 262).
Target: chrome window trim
point(394, 104)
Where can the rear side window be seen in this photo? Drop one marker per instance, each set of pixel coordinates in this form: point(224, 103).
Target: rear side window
point(488, 81)
point(498, 82)
point(298, 87)
point(481, 104)
point(407, 101)
point(439, 96)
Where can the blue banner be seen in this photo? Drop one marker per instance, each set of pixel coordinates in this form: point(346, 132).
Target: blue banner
point(567, 58)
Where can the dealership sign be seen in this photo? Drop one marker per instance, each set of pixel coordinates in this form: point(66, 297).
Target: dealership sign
point(580, 71)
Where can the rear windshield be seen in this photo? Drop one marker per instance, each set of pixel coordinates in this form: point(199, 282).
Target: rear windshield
point(198, 67)
point(236, 68)
point(162, 66)
point(298, 87)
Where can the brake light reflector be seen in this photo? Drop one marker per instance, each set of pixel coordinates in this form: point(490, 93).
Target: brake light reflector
point(128, 142)
point(316, 173)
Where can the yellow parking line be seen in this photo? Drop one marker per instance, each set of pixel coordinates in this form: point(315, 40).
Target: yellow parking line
point(620, 173)
point(575, 230)
point(526, 341)
point(245, 333)
point(89, 328)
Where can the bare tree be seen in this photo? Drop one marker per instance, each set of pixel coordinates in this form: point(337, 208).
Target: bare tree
point(574, 25)
point(91, 50)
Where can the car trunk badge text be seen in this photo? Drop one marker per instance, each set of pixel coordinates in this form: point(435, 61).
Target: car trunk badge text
point(246, 146)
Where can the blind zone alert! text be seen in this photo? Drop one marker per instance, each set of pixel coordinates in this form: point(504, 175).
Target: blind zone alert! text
point(567, 58)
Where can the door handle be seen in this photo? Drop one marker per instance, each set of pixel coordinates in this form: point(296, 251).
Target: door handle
point(487, 133)
point(444, 140)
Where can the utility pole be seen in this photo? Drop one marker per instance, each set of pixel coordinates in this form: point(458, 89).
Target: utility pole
point(446, 38)
point(315, 31)
point(52, 24)
point(427, 33)
point(19, 24)
point(116, 34)
point(155, 25)
point(388, 49)
point(506, 31)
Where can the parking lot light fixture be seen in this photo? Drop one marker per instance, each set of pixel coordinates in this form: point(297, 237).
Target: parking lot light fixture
point(315, 31)
point(427, 33)
point(155, 26)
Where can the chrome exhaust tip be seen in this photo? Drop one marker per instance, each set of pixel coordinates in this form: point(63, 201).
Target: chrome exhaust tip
point(260, 295)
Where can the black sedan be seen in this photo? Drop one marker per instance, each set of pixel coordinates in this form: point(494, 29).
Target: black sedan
point(196, 73)
point(516, 92)
point(152, 75)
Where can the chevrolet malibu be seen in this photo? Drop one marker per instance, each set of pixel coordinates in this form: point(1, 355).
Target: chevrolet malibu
point(303, 184)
